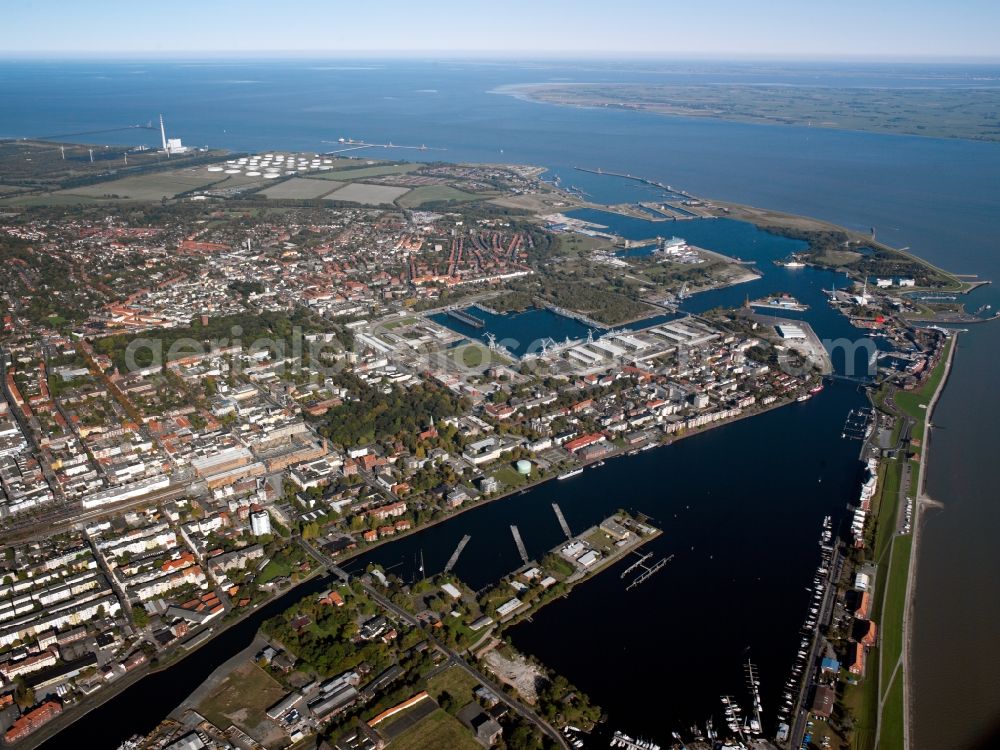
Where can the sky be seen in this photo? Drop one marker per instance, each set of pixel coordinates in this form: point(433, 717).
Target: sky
point(869, 29)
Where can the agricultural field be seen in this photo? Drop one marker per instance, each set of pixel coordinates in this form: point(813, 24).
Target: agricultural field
point(300, 187)
point(434, 193)
point(373, 171)
point(155, 186)
point(51, 199)
point(369, 195)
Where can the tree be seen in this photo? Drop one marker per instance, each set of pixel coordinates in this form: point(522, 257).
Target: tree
point(140, 617)
point(446, 701)
point(523, 737)
point(24, 694)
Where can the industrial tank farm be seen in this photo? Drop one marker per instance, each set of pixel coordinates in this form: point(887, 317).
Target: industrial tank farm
point(273, 166)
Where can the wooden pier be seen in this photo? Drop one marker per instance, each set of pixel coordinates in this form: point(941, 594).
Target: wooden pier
point(458, 551)
point(520, 544)
point(562, 520)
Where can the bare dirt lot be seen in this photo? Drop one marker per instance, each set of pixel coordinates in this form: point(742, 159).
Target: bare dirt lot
point(517, 672)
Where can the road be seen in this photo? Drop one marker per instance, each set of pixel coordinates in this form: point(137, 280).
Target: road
point(454, 657)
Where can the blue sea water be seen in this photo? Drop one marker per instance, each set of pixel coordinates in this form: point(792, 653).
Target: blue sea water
point(939, 197)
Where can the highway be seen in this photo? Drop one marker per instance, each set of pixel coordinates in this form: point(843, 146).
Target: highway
point(454, 657)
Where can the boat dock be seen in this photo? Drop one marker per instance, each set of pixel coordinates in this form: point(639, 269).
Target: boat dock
point(648, 572)
point(458, 551)
point(520, 544)
point(635, 565)
point(460, 314)
point(625, 742)
point(562, 520)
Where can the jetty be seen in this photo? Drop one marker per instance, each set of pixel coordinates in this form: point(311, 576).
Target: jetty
point(520, 544)
point(643, 180)
point(562, 520)
point(648, 572)
point(458, 551)
point(635, 565)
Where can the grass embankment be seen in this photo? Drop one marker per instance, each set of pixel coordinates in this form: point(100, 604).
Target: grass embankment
point(884, 682)
point(891, 732)
point(885, 508)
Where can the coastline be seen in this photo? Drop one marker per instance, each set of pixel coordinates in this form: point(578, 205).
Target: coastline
point(922, 500)
point(528, 92)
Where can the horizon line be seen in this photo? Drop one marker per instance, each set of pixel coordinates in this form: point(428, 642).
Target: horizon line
point(506, 55)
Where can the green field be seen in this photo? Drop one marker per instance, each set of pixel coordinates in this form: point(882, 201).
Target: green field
point(458, 683)
point(273, 569)
point(375, 171)
point(439, 731)
point(509, 477)
point(394, 324)
point(476, 356)
point(152, 187)
point(434, 193)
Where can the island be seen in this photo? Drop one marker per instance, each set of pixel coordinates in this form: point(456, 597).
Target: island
point(966, 113)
